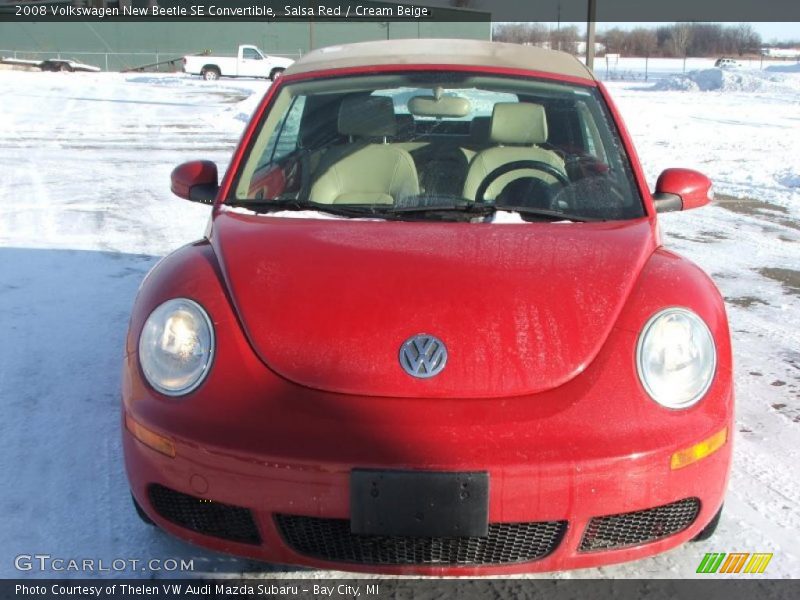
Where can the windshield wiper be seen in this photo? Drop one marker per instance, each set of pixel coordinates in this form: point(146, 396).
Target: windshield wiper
point(426, 206)
point(454, 210)
point(343, 210)
point(471, 209)
point(546, 213)
point(434, 205)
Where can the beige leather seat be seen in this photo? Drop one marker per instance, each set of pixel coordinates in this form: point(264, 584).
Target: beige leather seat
point(367, 170)
point(516, 128)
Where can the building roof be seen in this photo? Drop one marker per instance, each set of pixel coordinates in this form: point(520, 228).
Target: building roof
point(441, 52)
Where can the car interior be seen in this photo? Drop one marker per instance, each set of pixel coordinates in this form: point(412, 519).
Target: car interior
point(390, 146)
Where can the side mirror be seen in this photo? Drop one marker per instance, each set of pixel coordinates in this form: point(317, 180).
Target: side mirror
point(196, 181)
point(682, 189)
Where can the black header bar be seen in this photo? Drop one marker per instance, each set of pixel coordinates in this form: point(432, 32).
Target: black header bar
point(409, 10)
point(400, 589)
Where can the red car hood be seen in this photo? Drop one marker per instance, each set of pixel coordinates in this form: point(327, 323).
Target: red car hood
point(520, 308)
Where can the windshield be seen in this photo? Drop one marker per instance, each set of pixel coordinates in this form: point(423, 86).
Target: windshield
point(438, 145)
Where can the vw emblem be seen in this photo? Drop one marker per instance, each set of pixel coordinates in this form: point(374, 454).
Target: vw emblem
point(423, 356)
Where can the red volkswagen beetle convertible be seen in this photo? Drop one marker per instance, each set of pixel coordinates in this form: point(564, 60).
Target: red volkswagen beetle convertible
point(431, 329)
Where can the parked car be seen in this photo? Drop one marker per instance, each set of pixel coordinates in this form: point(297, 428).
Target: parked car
point(431, 329)
point(248, 62)
point(727, 63)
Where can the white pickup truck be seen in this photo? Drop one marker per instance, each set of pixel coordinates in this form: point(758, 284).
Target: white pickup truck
point(249, 62)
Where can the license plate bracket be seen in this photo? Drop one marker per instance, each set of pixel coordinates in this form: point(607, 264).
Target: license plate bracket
point(419, 503)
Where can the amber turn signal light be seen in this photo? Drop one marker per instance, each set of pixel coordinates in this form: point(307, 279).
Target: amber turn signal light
point(152, 440)
point(687, 456)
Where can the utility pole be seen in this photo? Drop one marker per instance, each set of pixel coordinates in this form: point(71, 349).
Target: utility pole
point(590, 21)
point(558, 27)
point(558, 23)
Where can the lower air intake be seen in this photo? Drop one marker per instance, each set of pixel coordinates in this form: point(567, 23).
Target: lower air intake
point(640, 527)
point(331, 539)
point(207, 517)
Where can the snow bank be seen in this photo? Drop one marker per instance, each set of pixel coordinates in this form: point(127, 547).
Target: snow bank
point(723, 80)
point(238, 115)
point(795, 68)
point(789, 178)
point(243, 94)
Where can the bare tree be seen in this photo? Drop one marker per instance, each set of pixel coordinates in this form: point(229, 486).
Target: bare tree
point(680, 38)
point(565, 39)
point(521, 33)
point(707, 39)
point(747, 40)
point(614, 40)
point(642, 42)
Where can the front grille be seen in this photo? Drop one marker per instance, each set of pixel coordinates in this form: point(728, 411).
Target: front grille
point(331, 539)
point(640, 527)
point(203, 516)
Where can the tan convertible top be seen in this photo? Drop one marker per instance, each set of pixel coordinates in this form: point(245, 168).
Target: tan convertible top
point(441, 52)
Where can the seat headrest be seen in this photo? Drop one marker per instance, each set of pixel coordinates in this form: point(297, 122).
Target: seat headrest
point(367, 116)
point(518, 123)
point(479, 130)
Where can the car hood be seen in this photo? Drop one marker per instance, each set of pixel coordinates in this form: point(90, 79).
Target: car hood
point(520, 308)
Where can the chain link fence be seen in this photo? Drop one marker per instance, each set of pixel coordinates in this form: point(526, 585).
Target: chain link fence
point(155, 61)
point(613, 67)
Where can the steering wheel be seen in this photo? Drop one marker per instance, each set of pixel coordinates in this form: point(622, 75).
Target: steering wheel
point(519, 165)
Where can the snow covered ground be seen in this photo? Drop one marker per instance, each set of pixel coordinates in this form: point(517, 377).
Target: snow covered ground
point(85, 211)
point(631, 68)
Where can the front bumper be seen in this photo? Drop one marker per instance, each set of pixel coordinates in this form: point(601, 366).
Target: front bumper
point(573, 494)
point(591, 448)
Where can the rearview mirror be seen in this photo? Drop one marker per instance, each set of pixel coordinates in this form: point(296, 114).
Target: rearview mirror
point(682, 189)
point(196, 181)
point(444, 106)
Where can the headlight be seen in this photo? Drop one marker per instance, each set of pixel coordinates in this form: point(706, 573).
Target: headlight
point(176, 346)
point(676, 358)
